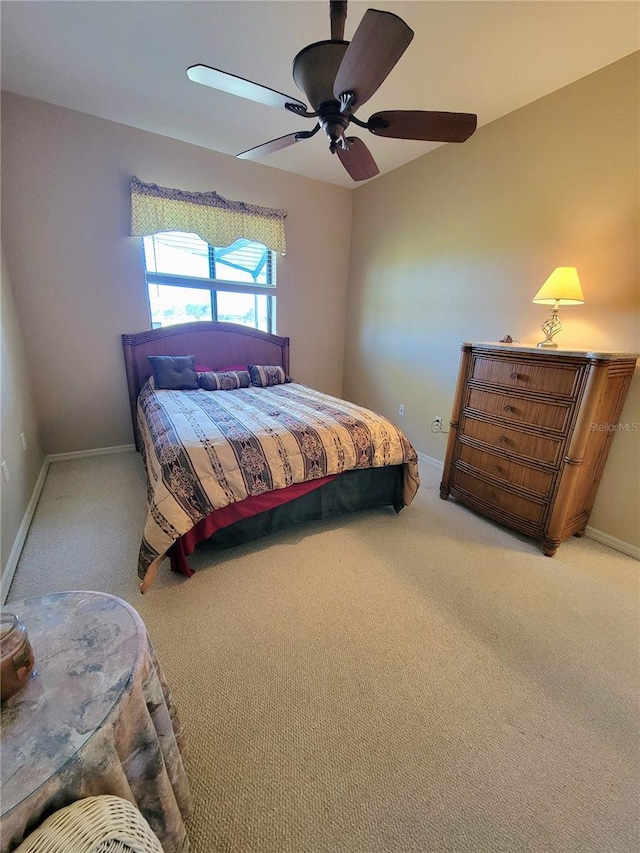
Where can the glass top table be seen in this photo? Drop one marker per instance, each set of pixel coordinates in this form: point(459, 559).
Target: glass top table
point(96, 717)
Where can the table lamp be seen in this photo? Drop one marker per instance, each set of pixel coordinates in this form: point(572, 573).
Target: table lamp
point(561, 288)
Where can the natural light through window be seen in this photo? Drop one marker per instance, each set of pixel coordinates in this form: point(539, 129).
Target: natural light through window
point(189, 280)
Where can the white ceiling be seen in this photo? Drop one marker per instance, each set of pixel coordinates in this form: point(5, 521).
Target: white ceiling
point(126, 61)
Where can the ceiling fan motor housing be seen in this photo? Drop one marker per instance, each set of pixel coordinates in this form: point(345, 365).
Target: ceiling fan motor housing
point(314, 70)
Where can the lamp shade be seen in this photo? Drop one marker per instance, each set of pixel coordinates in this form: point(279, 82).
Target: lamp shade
point(562, 286)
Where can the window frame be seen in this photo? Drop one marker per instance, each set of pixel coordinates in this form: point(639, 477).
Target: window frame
point(213, 285)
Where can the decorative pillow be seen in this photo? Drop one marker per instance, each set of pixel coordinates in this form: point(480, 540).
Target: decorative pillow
point(174, 372)
point(227, 380)
point(264, 375)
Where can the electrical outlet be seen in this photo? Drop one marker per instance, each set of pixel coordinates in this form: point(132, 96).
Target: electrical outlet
point(5, 471)
point(23, 440)
point(401, 410)
point(436, 425)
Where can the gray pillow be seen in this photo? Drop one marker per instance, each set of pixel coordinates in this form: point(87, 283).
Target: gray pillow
point(264, 375)
point(174, 372)
point(226, 380)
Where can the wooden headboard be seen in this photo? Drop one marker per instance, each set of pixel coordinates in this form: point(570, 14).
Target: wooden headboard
point(215, 345)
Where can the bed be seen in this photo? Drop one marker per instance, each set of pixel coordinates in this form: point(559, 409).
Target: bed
point(251, 457)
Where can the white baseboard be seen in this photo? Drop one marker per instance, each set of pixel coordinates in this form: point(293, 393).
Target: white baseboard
point(97, 451)
point(429, 460)
point(18, 545)
point(612, 542)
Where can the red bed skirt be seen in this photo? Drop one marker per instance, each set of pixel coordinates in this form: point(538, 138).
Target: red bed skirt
point(227, 515)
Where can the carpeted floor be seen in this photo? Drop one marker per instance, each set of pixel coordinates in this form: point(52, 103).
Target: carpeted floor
point(421, 682)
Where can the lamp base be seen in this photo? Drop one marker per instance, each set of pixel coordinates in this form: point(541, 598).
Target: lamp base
point(551, 327)
point(548, 344)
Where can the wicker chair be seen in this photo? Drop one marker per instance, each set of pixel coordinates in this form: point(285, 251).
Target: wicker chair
point(103, 824)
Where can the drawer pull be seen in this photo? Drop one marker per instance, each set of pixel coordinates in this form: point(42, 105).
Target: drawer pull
point(503, 439)
point(508, 408)
point(496, 468)
point(515, 375)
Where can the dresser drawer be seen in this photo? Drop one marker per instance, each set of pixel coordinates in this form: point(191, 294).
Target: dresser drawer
point(552, 416)
point(514, 441)
point(532, 479)
point(488, 495)
point(527, 376)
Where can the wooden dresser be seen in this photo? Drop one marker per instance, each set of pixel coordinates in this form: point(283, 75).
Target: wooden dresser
point(530, 433)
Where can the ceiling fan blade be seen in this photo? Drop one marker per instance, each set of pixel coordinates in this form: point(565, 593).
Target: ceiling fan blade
point(357, 159)
point(378, 43)
point(422, 124)
point(226, 82)
point(274, 145)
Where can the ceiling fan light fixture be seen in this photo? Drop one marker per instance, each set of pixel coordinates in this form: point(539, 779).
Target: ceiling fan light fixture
point(315, 68)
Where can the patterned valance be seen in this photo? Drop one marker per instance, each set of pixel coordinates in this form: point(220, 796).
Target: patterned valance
point(215, 219)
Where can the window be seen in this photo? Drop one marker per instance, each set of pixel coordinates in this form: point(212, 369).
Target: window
point(187, 280)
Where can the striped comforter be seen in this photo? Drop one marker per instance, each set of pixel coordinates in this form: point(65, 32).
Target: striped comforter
point(206, 449)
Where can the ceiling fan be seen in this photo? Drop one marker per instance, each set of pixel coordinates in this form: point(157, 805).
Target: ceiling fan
point(338, 77)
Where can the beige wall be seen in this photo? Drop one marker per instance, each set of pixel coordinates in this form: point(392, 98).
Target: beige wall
point(454, 246)
point(449, 248)
point(78, 277)
point(18, 416)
